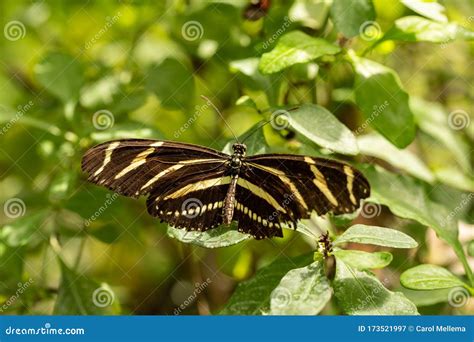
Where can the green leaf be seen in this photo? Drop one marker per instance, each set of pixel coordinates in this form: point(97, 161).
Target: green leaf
point(361, 293)
point(429, 9)
point(407, 198)
point(320, 126)
point(221, 236)
point(26, 230)
point(375, 145)
point(252, 297)
point(429, 277)
point(364, 260)
point(172, 83)
point(302, 291)
point(293, 48)
point(383, 101)
point(62, 75)
point(350, 15)
point(79, 295)
point(374, 235)
point(433, 119)
point(418, 29)
point(426, 298)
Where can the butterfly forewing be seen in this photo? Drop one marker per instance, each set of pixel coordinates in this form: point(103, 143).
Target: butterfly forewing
point(135, 167)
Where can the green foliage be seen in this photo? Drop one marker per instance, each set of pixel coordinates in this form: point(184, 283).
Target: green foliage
point(429, 277)
point(349, 16)
point(302, 290)
point(373, 235)
point(359, 81)
point(380, 96)
point(361, 293)
point(322, 127)
point(294, 48)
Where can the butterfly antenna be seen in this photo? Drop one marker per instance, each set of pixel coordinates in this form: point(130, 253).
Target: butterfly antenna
point(222, 116)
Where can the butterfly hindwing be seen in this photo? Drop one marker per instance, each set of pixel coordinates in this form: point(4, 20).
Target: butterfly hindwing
point(194, 202)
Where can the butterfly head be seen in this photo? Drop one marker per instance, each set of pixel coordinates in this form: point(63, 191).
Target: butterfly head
point(239, 149)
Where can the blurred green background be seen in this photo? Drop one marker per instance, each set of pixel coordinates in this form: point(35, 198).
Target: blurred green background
point(76, 73)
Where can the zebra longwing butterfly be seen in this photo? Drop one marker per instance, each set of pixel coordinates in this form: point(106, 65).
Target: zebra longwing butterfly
point(198, 188)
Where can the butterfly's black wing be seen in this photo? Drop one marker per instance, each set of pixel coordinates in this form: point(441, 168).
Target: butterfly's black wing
point(299, 185)
point(180, 178)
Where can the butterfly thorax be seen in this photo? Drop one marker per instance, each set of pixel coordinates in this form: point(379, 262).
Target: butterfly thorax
point(235, 164)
